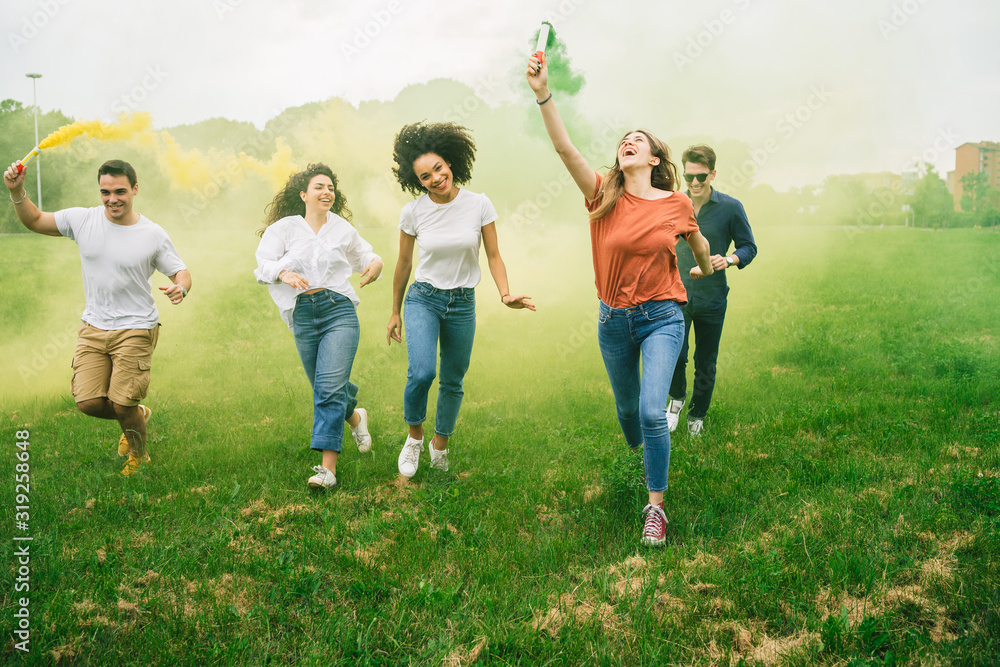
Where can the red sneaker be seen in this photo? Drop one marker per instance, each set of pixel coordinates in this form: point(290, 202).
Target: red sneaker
point(654, 532)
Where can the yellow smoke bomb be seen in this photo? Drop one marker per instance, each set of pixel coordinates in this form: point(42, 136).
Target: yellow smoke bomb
point(28, 158)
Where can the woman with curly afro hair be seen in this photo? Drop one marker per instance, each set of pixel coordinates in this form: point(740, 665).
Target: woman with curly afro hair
point(307, 252)
point(447, 223)
point(636, 218)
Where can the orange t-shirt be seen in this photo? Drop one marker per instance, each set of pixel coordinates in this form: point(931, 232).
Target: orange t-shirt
point(633, 247)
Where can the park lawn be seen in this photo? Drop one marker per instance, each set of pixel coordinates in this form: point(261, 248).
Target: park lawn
point(842, 507)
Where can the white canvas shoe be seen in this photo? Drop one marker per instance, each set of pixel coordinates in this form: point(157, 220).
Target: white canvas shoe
point(695, 426)
point(409, 457)
point(323, 479)
point(439, 458)
point(361, 435)
point(674, 413)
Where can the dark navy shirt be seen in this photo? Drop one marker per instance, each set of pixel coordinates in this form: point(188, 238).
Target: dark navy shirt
point(722, 221)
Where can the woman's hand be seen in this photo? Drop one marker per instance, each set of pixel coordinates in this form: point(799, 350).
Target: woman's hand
point(293, 279)
point(518, 302)
point(394, 330)
point(538, 76)
point(372, 272)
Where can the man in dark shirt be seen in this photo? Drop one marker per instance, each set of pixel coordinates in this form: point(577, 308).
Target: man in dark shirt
point(722, 221)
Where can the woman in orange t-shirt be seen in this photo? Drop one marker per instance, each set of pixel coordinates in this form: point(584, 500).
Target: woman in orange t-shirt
point(636, 218)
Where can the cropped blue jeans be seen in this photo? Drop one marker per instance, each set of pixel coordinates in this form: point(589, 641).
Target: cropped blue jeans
point(326, 329)
point(432, 316)
point(650, 333)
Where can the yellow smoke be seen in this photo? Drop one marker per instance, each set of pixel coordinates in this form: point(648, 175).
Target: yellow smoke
point(95, 129)
point(187, 170)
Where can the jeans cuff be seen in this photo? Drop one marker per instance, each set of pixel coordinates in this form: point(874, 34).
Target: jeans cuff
point(327, 442)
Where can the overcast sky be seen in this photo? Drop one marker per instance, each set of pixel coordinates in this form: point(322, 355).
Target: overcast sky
point(813, 87)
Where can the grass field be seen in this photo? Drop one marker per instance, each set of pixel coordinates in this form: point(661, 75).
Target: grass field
point(842, 508)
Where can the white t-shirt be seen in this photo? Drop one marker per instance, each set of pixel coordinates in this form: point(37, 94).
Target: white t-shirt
point(326, 259)
point(117, 263)
point(448, 237)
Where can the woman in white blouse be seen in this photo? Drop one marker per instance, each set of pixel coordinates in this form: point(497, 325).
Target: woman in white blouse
point(307, 252)
point(447, 224)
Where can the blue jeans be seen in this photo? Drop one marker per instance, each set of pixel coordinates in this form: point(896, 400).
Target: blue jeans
point(430, 315)
point(653, 332)
point(707, 321)
point(326, 331)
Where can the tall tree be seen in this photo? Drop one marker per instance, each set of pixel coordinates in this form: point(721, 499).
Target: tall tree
point(975, 187)
point(931, 202)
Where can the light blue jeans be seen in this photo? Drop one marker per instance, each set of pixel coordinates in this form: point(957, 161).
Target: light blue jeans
point(326, 331)
point(431, 315)
point(653, 332)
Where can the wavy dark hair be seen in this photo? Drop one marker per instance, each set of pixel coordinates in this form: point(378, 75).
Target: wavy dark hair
point(288, 202)
point(699, 154)
point(663, 177)
point(452, 142)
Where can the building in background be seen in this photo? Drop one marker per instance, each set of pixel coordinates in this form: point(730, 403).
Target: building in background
point(974, 158)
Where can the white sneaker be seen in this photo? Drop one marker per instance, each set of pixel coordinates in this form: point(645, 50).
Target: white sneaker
point(439, 458)
point(695, 427)
point(361, 435)
point(674, 413)
point(409, 458)
point(323, 479)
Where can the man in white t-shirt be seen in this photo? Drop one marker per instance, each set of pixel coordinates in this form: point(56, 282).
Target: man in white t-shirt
point(119, 250)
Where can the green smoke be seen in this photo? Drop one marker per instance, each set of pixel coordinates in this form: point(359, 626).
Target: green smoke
point(562, 78)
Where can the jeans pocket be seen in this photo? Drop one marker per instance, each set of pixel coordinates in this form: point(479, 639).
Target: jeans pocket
point(332, 296)
point(662, 310)
point(603, 316)
point(422, 289)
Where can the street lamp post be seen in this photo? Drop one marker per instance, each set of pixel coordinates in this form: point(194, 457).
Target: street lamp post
point(38, 160)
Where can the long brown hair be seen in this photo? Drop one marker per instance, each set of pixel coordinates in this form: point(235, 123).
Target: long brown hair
point(288, 202)
point(663, 177)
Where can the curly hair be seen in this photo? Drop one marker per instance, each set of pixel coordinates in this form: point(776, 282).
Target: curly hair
point(663, 176)
point(288, 202)
point(452, 142)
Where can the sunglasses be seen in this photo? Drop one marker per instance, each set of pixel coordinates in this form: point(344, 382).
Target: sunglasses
point(701, 177)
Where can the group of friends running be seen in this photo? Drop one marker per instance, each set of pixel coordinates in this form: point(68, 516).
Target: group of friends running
point(651, 289)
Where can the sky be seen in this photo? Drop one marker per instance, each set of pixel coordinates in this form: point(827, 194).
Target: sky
point(813, 88)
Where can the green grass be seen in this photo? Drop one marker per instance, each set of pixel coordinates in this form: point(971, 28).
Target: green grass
point(842, 508)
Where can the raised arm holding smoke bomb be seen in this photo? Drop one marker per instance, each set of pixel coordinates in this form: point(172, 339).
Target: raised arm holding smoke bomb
point(119, 251)
point(29, 214)
point(447, 224)
point(636, 218)
point(308, 250)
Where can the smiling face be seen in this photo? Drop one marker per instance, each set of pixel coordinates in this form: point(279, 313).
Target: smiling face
point(319, 195)
point(634, 151)
point(435, 176)
point(117, 195)
point(695, 169)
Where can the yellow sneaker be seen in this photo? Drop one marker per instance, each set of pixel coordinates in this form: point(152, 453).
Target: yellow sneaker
point(123, 448)
point(132, 465)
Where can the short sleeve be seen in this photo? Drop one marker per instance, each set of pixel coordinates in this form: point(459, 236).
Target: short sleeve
point(68, 220)
point(488, 213)
point(407, 222)
point(689, 223)
point(167, 261)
